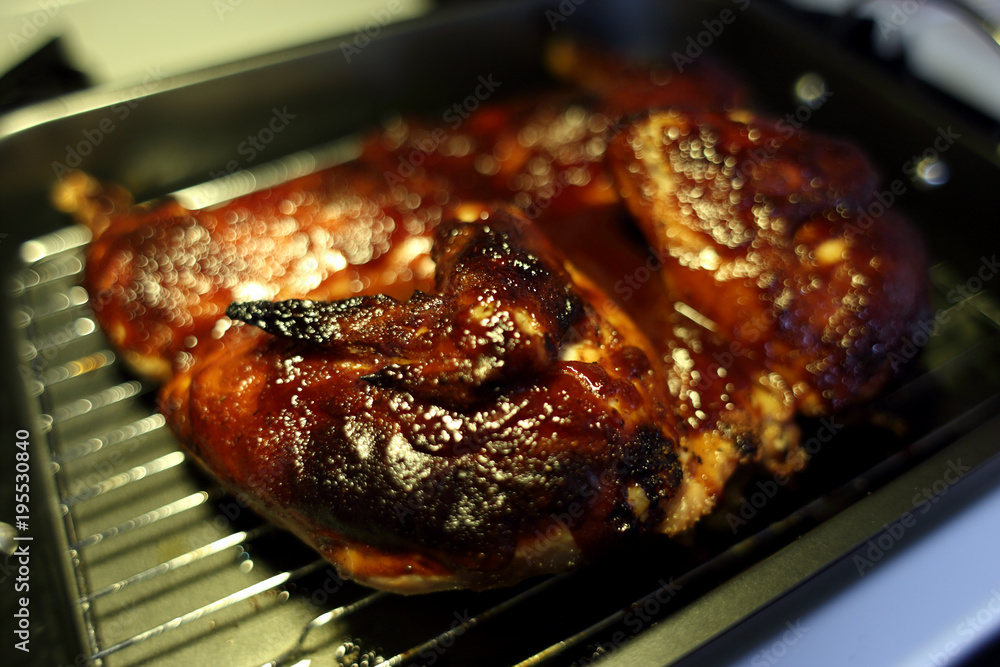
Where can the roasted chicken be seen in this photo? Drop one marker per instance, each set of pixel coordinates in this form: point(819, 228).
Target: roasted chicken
point(766, 231)
point(437, 392)
point(497, 427)
point(161, 277)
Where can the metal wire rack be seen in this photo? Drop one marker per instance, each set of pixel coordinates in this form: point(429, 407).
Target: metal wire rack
point(143, 532)
point(167, 569)
point(167, 566)
point(170, 570)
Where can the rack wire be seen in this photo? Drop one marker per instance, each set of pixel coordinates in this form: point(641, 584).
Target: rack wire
point(163, 559)
point(168, 569)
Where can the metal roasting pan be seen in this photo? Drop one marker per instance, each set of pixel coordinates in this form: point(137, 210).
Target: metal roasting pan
point(138, 559)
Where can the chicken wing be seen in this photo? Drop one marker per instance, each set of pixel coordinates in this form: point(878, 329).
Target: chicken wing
point(161, 277)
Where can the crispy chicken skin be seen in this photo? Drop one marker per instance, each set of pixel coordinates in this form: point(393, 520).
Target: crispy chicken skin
point(771, 234)
point(437, 392)
point(728, 409)
point(495, 428)
point(161, 277)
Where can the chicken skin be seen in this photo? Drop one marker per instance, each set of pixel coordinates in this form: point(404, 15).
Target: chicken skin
point(161, 277)
point(479, 354)
point(766, 230)
point(496, 428)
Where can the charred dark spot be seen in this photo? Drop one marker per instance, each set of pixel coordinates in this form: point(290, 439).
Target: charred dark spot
point(648, 460)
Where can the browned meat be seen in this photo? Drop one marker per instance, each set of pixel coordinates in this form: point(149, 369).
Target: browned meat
point(765, 231)
point(545, 153)
point(431, 395)
point(498, 427)
point(621, 86)
point(161, 276)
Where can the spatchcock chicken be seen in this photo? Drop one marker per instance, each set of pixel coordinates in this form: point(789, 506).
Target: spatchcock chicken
point(570, 322)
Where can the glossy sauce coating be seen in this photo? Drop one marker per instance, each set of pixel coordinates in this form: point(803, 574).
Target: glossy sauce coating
point(453, 402)
point(766, 231)
point(161, 277)
point(311, 425)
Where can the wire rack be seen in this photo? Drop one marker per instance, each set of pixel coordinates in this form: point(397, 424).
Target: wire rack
point(167, 567)
point(169, 570)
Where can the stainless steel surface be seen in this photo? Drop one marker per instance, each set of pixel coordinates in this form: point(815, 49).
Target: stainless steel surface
point(162, 575)
point(161, 568)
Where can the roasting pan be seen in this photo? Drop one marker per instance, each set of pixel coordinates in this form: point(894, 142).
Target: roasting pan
point(138, 559)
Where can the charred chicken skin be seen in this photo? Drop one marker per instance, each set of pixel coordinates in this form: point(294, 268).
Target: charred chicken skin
point(498, 427)
point(438, 393)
